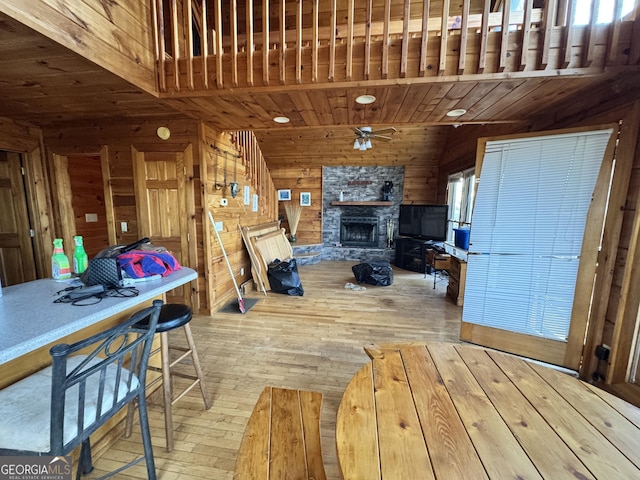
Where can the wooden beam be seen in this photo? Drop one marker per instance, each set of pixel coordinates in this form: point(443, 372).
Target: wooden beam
point(614, 33)
point(219, 47)
point(484, 37)
point(590, 36)
point(349, 72)
point(405, 38)
point(251, 48)
point(282, 58)
point(332, 42)
point(265, 42)
point(504, 34)
point(549, 22)
point(176, 44)
point(464, 31)
point(314, 47)
point(367, 42)
point(204, 44)
point(526, 34)
point(385, 39)
point(233, 24)
point(299, 42)
point(425, 36)
point(568, 34)
point(444, 33)
point(187, 16)
point(161, 49)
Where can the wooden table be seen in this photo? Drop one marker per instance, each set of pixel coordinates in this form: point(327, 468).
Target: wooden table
point(449, 411)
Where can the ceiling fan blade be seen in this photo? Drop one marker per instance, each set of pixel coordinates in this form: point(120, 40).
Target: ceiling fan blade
point(380, 137)
point(384, 131)
point(359, 132)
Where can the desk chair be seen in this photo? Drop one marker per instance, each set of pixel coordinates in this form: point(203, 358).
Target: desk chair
point(173, 316)
point(56, 409)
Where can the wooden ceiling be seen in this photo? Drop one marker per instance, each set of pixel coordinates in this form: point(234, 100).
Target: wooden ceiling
point(44, 84)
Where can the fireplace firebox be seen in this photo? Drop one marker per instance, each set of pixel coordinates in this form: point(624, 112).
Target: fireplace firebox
point(359, 231)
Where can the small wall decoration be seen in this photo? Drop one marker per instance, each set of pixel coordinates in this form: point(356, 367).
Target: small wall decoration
point(305, 199)
point(284, 195)
point(247, 195)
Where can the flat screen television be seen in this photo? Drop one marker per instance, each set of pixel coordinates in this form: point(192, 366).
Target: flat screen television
point(425, 222)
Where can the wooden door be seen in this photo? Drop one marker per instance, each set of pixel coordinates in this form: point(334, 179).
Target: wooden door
point(17, 261)
point(565, 352)
point(161, 203)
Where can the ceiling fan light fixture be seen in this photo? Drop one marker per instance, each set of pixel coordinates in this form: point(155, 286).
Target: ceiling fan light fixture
point(363, 146)
point(368, 143)
point(456, 113)
point(365, 99)
point(356, 145)
point(281, 119)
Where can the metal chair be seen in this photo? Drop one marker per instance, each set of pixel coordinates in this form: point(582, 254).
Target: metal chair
point(173, 316)
point(56, 409)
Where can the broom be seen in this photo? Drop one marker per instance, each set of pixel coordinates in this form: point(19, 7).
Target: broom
point(293, 217)
point(224, 253)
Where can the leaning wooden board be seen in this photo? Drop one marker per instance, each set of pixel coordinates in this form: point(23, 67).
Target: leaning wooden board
point(269, 247)
point(257, 269)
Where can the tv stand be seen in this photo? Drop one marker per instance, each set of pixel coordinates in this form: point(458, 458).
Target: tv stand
point(411, 253)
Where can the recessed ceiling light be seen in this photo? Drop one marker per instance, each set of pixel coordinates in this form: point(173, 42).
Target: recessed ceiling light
point(281, 119)
point(456, 113)
point(365, 99)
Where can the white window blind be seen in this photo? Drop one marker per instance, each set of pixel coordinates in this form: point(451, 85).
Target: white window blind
point(527, 229)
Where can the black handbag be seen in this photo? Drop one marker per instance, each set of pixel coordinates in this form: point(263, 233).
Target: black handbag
point(104, 269)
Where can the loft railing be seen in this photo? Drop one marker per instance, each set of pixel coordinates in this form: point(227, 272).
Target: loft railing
point(213, 44)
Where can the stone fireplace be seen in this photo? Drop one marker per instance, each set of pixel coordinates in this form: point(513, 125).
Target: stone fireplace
point(350, 193)
point(359, 231)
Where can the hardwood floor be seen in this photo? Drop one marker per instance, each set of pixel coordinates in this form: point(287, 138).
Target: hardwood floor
point(313, 342)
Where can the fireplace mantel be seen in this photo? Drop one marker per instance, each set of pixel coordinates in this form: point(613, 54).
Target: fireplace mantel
point(347, 204)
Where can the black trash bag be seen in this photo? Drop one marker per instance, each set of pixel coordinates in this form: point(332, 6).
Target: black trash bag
point(283, 277)
point(374, 273)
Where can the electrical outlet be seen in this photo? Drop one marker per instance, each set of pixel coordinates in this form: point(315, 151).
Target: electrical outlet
point(241, 271)
point(124, 227)
point(219, 226)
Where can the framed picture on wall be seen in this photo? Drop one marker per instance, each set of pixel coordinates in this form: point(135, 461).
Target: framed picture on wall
point(305, 199)
point(284, 195)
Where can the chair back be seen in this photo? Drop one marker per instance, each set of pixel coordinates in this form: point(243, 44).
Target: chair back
point(95, 377)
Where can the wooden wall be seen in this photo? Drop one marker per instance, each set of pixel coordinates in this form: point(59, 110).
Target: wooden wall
point(223, 163)
point(85, 175)
point(115, 35)
point(302, 179)
point(120, 139)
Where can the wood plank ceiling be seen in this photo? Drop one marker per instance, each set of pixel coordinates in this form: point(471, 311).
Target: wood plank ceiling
point(46, 85)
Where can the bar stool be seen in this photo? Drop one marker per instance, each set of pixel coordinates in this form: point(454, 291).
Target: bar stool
point(172, 316)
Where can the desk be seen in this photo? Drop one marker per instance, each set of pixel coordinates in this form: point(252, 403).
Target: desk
point(448, 411)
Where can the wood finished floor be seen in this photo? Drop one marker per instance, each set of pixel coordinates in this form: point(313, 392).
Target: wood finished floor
point(313, 342)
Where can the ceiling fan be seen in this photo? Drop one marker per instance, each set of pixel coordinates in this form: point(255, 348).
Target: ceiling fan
point(365, 134)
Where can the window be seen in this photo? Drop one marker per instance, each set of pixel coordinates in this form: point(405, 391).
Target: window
point(461, 191)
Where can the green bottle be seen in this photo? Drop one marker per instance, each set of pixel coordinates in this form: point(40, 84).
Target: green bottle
point(80, 260)
point(59, 261)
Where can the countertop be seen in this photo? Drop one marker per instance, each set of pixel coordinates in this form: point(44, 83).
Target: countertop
point(29, 319)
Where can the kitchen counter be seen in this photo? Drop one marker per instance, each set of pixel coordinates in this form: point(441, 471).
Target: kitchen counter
point(29, 320)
